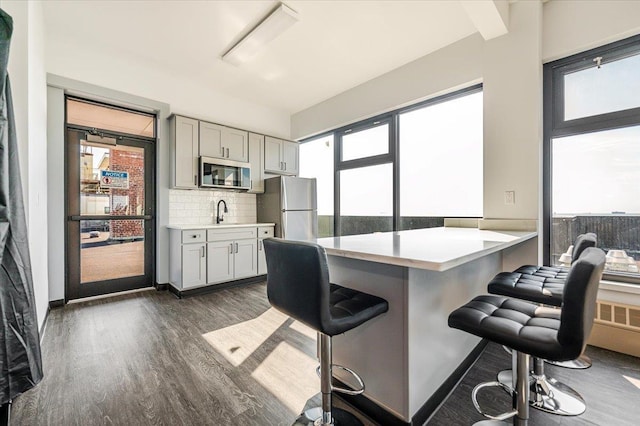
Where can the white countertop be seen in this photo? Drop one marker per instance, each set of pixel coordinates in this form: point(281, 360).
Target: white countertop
point(219, 226)
point(436, 249)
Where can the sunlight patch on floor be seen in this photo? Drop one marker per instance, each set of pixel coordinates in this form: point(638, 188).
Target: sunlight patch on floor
point(633, 381)
point(290, 375)
point(237, 342)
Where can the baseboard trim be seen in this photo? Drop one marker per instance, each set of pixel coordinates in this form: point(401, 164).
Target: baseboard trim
point(161, 287)
point(215, 287)
point(56, 304)
point(382, 416)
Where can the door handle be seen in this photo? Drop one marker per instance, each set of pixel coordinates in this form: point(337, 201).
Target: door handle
point(285, 165)
point(231, 248)
point(195, 180)
point(222, 148)
point(259, 245)
point(203, 252)
point(236, 247)
point(227, 152)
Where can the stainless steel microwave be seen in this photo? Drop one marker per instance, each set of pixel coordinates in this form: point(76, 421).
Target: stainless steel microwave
point(218, 173)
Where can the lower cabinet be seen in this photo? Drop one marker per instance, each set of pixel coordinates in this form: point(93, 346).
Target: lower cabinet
point(194, 265)
point(231, 260)
point(262, 259)
point(202, 257)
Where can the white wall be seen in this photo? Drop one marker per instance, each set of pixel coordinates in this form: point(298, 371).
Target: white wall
point(571, 27)
point(118, 71)
point(27, 72)
point(512, 78)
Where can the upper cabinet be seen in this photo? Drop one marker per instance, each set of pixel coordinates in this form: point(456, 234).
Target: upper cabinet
point(211, 140)
point(236, 144)
point(256, 159)
point(193, 138)
point(184, 170)
point(280, 156)
point(223, 142)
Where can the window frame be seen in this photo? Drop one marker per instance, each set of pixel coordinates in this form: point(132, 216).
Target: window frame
point(393, 156)
point(555, 126)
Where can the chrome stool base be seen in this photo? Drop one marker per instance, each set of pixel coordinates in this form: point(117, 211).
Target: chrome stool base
point(580, 363)
point(549, 395)
point(313, 417)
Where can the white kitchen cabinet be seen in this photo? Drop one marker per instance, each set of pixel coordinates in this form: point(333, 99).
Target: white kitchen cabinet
point(211, 140)
point(201, 257)
point(280, 156)
point(218, 141)
point(187, 258)
point(236, 144)
point(245, 261)
point(184, 133)
point(290, 152)
point(263, 232)
point(219, 261)
point(256, 159)
point(194, 265)
point(232, 254)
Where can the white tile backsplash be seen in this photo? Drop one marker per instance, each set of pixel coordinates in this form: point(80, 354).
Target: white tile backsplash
point(198, 207)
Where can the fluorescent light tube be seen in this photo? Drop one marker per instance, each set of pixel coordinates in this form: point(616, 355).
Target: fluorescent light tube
point(270, 27)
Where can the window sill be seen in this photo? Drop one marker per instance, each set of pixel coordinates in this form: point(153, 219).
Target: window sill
point(620, 287)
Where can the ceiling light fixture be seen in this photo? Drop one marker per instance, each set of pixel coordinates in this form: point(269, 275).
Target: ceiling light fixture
point(269, 28)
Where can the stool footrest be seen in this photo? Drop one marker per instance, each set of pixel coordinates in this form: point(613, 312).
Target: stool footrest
point(345, 390)
point(474, 395)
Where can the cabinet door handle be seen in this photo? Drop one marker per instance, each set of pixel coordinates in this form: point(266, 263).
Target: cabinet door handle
point(231, 248)
point(195, 180)
point(227, 152)
point(236, 247)
point(222, 149)
point(259, 245)
point(203, 252)
point(285, 165)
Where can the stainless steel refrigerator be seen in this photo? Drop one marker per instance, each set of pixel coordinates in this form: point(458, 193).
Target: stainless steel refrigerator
point(291, 203)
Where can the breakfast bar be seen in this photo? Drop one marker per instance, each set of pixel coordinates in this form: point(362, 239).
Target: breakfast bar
point(407, 354)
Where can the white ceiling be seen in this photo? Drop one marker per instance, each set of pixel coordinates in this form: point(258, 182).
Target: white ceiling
point(335, 46)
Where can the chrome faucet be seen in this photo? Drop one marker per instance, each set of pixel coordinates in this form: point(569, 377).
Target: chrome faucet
point(220, 218)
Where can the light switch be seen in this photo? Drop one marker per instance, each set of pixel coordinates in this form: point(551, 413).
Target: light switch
point(509, 197)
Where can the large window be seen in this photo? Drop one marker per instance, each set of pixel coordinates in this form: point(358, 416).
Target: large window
point(592, 155)
point(406, 169)
point(316, 161)
point(441, 161)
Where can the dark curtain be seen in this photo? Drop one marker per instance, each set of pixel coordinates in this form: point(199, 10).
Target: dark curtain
point(20, 362)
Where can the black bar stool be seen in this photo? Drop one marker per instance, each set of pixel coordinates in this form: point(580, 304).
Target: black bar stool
point(298, 285)
point(545, 285)
point(531, 330)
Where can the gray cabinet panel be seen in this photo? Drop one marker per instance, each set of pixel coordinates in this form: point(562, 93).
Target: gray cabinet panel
point(211, 140)
point(194, 265)
point(290, 157)
point(185, 152)
point(245, 259)
point(236, 144)
point(272, 155)
point(219, 262)
point(256, 159)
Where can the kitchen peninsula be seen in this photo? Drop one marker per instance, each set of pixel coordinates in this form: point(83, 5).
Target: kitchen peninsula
point(405, 355)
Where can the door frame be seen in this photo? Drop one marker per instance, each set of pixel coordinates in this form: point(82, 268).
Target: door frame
point(74, 289)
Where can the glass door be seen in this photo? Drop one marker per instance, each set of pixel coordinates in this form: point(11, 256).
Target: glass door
point(110, 213)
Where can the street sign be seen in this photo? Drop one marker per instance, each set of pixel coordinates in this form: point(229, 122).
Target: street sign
point(116, 180)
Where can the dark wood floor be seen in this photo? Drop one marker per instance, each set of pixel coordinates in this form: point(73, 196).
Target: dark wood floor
point(227, 358)
point(611, 398)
